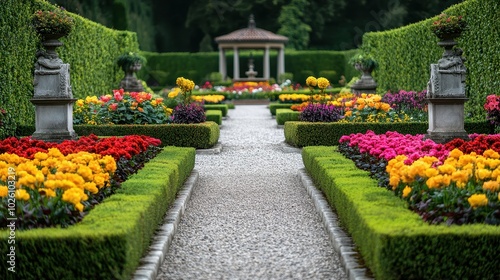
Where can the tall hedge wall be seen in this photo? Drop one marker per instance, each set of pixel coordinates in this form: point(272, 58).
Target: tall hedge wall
point(164, 68)
point(91, 49)
point(405, 54)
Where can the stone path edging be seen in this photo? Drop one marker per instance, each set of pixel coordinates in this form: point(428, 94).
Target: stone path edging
point(341, 241)
point(150, 264)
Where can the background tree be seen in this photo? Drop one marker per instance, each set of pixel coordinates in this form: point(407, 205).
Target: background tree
point(192, 25)
point(293, 26)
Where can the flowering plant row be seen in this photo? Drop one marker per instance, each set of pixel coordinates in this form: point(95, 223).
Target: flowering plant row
point(48, 184)
point(454, 183)
point(373, 108)
point(492, 107)
point(121, 108)
point(208, 99)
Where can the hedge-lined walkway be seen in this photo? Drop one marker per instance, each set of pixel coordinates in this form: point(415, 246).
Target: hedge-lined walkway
point(249, 216)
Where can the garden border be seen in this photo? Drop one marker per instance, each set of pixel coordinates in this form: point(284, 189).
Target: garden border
point(394, 241)
point(109, 242)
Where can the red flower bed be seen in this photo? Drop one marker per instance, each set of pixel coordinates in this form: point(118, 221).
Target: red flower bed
point(117, 147)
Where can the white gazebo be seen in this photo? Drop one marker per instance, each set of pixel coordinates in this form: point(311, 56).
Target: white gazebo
point(251, 38)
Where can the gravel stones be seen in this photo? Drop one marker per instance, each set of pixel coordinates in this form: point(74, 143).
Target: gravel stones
point(249, 216)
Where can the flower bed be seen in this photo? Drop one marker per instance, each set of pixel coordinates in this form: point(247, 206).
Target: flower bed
point(109, 242)
point(394, 242)
point(57, 184)
point(454, 183)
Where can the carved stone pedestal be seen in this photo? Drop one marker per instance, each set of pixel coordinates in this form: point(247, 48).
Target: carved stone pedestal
point(365, 84)
point(446, 119)
point(446, 96)
point(53, 98)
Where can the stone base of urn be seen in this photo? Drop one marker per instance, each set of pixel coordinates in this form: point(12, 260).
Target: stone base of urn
point(446, 119)
point(365, 84)
point(54, 119)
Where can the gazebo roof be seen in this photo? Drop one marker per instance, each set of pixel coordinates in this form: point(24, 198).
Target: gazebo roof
point(251, 34)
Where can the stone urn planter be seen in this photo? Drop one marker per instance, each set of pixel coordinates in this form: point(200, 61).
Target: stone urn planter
point(53, 98)
point(364, 64)
point(446, 87)
point(131, 63)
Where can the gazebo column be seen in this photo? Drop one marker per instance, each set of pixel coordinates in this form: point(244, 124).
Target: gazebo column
point(222, 63)
point(266, 63)
point(281, 62)
point(236, 64)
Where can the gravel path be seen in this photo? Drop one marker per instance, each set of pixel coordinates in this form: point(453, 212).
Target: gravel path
point(249, 216)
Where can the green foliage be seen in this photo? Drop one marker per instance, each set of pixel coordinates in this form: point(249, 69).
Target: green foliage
point(183, 64)
point(274, 106)
point(55, 21)
point(127, 59)
point(301, 134)
point(293, 26)
point(285, 76)
point(201, 136)
point(285, 115)
point(330, 75)
point(214, 116)
point(415, 48)
point(221, 107)
point(394, 242)
point(92, 67)
point(113, 236)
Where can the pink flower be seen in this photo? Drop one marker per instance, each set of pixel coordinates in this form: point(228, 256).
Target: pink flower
point(105, 98)
point(113, 107)
point(118, 95)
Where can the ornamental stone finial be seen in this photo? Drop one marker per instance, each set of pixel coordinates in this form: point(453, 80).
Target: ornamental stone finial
point(251, 22)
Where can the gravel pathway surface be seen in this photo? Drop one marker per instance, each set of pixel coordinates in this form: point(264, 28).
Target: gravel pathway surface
point(249, 216)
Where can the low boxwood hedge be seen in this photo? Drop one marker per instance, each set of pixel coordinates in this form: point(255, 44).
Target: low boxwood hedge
point(394, 242)
point(109, 242)
point(222, 107)
point(214, 116)
point(285, 115)
point(301, 134)
point(274, 106)
point(201, 136)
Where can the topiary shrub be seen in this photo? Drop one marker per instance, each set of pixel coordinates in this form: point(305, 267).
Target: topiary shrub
point(316, 112)
point(190, 113)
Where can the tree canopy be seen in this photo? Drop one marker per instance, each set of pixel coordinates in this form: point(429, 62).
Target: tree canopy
point(192, 25)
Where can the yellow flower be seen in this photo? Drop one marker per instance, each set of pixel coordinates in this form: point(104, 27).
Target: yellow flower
point(477, 200)
point(323, 83)
point(75, 196)
point(491, 186)
point(4, 191)
point(47, 192)
point(446, 169)
point(21, 194)
point(456, 153)
point(174, 93)
point(491, 154)
point(483, 174)
point(311, 81)
point(406, 191)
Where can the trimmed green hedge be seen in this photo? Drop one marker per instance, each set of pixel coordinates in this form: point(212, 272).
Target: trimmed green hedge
point(164, 68)
point(394, 242)
point(93, 67)
point(274, 106)
point(285, 115)
point(109, 242)
point(301, 134)
point(405, 54)
point(201, 136)
point(214, 116)
point(221, 107)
